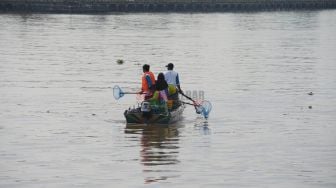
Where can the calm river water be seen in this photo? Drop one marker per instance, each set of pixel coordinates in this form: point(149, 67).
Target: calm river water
point(61, 127)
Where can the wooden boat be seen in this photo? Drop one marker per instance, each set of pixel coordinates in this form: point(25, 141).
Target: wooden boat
point(146, 114)
point(172, 111)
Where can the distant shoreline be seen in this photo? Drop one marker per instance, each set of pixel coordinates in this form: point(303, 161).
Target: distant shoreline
point(110, 6)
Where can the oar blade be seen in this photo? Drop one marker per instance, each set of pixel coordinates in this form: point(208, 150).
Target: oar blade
point(117, 92)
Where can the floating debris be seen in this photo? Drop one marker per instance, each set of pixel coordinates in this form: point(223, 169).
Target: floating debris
point(310, 93)
point(120, 61)
point(310, 107)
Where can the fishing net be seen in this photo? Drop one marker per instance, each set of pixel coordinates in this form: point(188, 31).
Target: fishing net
point(198, 107)
point(206, 108)
point(203, 107)
point(117, 92)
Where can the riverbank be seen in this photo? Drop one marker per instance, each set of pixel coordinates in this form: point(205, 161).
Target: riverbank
point(106, 6)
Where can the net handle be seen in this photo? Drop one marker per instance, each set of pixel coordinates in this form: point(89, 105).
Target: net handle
point(118, 93)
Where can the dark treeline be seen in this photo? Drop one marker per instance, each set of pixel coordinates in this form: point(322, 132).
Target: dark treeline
point(106, 6)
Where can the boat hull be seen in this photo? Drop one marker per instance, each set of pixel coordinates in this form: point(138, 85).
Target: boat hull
point(137, 117)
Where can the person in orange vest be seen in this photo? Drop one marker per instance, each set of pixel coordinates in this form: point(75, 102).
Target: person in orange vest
point(147, 82)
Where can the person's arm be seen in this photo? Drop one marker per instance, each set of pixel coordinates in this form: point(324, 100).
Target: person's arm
point(178, 83)
point(141, 91)
point(143, 85)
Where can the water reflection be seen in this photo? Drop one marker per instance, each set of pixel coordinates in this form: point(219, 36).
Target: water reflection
point(159, 150)
point(203, 126)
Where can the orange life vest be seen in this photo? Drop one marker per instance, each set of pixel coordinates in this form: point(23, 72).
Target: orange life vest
point(145, 86)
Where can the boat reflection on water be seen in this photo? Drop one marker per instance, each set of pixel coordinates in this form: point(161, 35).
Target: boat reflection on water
point(159, 150)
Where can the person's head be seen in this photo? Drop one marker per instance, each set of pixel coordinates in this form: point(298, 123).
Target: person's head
point(161, 82)
point(160, 76)
point(145, 68)
point(170, 66)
